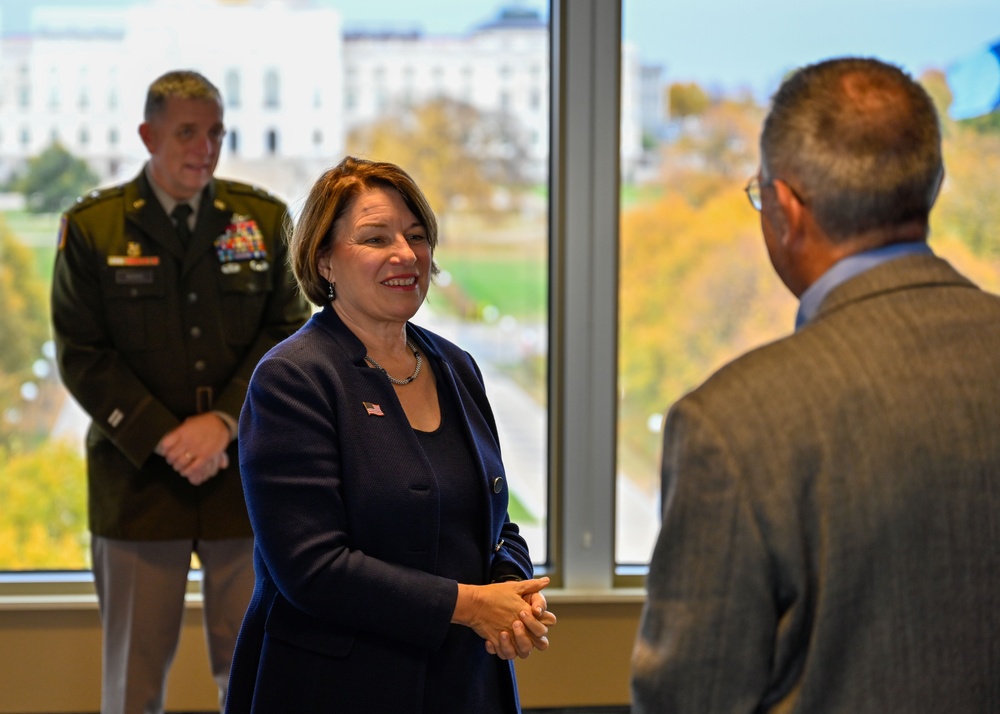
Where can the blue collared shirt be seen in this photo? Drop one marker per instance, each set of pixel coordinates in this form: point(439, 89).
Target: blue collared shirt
point(847, 268)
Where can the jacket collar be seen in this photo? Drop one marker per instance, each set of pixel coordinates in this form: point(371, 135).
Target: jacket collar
point(912, 271)
point(144, 212)
point(329, 321)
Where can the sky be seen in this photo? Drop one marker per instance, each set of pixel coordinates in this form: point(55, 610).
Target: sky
point(724, 44)
point(733, 43)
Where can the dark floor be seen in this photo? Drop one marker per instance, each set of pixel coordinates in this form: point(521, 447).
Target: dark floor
point(572, 710)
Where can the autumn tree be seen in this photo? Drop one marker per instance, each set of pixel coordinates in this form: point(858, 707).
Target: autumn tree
point(697, 290)
point(967, 210)
point(43, 522)
point(457, 154)
point(53, 179)
point(23, 324)
point(42, 483)
point(985, 124)
point(717, 150)
point(687, 100)
point(713, 294)
point(935, 84)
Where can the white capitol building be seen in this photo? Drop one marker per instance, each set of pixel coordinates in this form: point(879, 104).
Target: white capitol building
point(295, 81)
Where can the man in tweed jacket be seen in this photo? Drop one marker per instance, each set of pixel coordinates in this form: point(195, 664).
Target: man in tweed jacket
point(831, 501)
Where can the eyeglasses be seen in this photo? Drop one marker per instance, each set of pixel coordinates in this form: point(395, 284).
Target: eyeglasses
point(754, 187)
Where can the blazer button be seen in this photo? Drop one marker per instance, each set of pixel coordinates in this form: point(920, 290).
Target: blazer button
point(497, 484)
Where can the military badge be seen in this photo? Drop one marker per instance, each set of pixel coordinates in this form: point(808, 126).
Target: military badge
point(241, 241)
point(133, 257)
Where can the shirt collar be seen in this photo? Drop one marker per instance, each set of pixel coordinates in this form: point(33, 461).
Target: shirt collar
point(166, 200)
point(850, 267)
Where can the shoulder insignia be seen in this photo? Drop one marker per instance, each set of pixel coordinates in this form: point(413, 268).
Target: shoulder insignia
point(96, 196)
point(61, 242)
point(83, 203)
point(251, 190)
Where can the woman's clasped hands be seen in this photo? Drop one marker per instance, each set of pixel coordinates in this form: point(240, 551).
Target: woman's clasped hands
point(512, 617)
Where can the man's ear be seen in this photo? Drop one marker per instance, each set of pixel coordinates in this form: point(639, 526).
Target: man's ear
point(792, 210)
point(146, 134)
point(937, 187)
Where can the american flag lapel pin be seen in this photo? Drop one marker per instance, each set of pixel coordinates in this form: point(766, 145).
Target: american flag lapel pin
point(373, 409)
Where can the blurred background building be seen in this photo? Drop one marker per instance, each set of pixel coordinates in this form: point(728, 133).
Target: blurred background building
point(294, 79)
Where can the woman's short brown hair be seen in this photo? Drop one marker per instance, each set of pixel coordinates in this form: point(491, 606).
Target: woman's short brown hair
point(330, 197)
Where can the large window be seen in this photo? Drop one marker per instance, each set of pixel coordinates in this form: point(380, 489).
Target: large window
point(471, 153)
point(592, 298)
point(696, 288)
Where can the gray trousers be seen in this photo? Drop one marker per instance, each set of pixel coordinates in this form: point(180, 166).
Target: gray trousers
point(140, 591)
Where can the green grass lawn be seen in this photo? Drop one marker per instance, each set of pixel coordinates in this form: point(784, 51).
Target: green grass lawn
point(513, 285)
point(518, 513)
point(632, 195)
point(33, 228)
point(38, 232)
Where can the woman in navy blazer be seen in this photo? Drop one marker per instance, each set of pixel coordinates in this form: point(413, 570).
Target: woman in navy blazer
point(389, 576)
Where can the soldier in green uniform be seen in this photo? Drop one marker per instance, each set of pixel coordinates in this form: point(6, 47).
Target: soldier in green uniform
point(167, 290)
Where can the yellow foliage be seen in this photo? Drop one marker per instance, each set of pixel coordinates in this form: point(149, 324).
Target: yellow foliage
point(446, 146)
point(968, 209)
point(43, 519)
point(687, 99)
point(697, 290)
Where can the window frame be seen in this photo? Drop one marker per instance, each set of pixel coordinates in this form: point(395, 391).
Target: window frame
point(584, 210)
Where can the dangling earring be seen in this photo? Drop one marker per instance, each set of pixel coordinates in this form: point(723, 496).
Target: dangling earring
point(331, 292)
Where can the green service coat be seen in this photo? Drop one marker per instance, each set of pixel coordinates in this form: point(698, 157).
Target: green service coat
point(149, 332)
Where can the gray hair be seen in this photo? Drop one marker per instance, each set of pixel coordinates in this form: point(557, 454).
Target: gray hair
point(858, 140)
point(179, 84)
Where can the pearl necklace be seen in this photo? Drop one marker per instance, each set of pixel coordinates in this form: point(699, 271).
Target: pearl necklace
point(399, 382)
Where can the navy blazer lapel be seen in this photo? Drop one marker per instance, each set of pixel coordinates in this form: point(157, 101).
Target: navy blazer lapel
point(353, 348)
point(477, 428)
point(371, 387)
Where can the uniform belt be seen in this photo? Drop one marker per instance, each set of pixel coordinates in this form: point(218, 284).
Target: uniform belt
point(203, 397)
